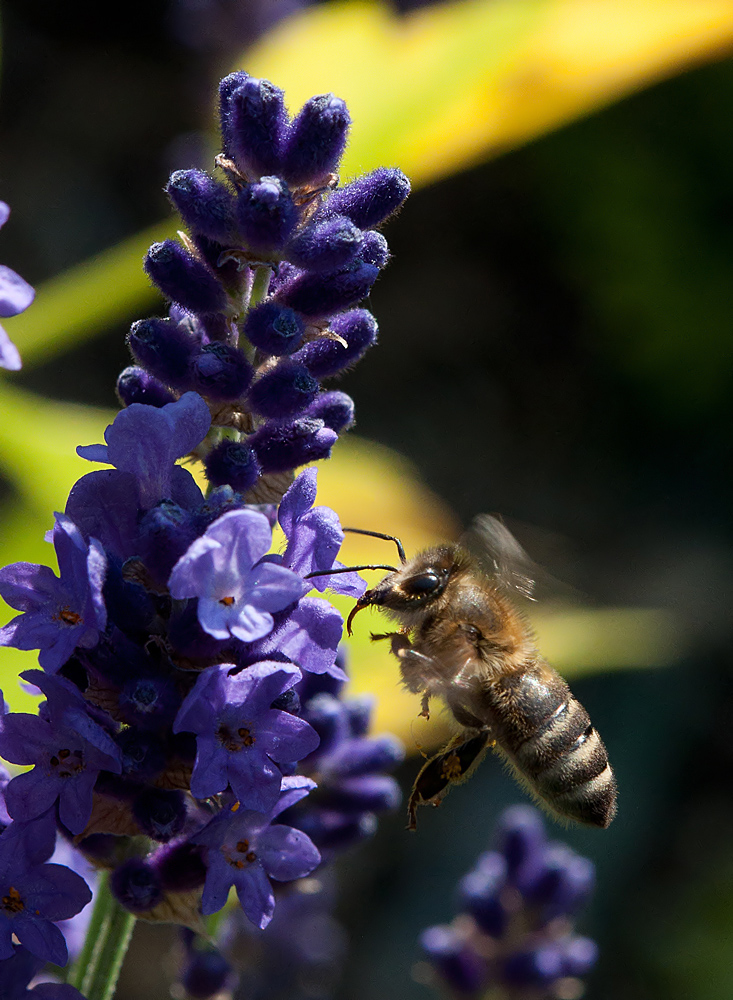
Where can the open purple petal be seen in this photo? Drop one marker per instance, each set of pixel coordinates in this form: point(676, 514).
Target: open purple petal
point(104, 504)
point(299, 498)
point(255, 780)
point(56, 891)
point(310, 637)
point(15, 293)
point(249, 624)
point(255, 895)
point(286, 737)
point(41, 938)
point(9, 353)
point(210, 774)
point(287, 853)
point(30, 794)
point(75, 801)
point(273, 587)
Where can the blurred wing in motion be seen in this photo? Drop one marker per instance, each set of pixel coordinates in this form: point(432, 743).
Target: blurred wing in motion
point(501, 556)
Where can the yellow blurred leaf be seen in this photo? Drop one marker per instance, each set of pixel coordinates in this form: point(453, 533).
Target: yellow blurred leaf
point(452, 84)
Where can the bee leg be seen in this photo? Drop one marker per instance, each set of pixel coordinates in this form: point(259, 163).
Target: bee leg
point(378, 636)
point(453, 765)
point(425, 706)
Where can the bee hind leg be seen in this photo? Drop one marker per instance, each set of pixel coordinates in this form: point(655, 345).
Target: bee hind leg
point(453, 765)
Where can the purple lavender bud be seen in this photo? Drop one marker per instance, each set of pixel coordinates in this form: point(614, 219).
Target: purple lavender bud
point(164, 348)
point(370, 199)
point(232, 463)
point(520, 837)
point(136, 886)
point(335, 409)
point(479, 894)
point(205, 205)
point(327, 356)
point(368, 793)
point(284, 391)
point(165, 533)
point(316, 140)
point(180, 867)
point(535, 966)
point(221, 372)
point(334, 831)
point(160, 813)
point(317, 296)
point(135, 385)
point(148, 701)
point(374, 249)
point(327, 245)
point(365, 756)
point(253, 123)
point(143, 755)
point(579, 955)
point(359, 711)
point(206, 974)
point(183, 278)
point(564, 883)
point(273, 329)
point(266, 214)
point(328, 717)
point(280, 447)
point(455, 961)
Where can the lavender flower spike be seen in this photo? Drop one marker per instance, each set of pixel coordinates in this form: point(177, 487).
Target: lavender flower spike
point(15, 296)
point(240, 736)
point(59, 613)
point(237, 594)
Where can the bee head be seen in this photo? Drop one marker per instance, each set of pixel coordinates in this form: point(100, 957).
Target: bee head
point(421, 580)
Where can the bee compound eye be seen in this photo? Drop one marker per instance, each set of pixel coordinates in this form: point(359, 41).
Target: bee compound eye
point(423, 584)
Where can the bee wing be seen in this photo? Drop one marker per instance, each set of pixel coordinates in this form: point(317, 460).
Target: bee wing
point(501, 556)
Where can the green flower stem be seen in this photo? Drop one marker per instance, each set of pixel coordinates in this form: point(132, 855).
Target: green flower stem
point(97, 969)
point(260, 286)
point(96, 933)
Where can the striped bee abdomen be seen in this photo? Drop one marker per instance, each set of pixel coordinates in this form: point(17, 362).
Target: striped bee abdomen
point(548, 736)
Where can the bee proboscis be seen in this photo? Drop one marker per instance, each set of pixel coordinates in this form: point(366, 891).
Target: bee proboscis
point(462, 639)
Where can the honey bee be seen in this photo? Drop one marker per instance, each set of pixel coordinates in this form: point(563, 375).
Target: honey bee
point(462, 639)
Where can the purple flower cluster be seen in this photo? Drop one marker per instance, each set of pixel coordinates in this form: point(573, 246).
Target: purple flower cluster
point(264, 288)
point(15, 296)
point(514, 933)
point(192, 686)
point(304, 941)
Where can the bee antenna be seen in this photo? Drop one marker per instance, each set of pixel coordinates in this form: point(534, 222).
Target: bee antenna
point(386, 538)
point(348, 569)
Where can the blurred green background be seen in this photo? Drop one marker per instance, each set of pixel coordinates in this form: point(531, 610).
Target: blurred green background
point(556, 345)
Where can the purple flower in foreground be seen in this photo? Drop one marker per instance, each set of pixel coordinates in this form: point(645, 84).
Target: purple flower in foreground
point(314, 537)
point(237, 593)
point(240, 735)
point(60, 613)
point(33, 895)
point(15, 296)
point(17, 972)
point(245, 850)
point(67, 748)
point(147, 441)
